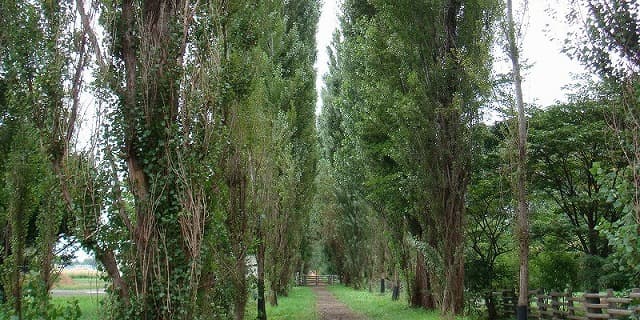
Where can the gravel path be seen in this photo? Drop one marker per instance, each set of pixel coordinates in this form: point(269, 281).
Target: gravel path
point(329, 308)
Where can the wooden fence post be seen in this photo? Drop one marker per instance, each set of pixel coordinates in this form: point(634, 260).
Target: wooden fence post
point(542, 305)
point(555, 304)
point(593, 306)
point(571, 310)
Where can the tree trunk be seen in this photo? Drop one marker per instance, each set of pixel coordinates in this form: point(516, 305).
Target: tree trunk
point(237, 223)
point(395, 295)
point(273, 298)
point(421, 293)
point(262, 311)
point(521, 176)
point(452, 167)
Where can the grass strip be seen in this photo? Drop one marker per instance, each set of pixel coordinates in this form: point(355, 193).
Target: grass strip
point(379, 306)
point(300, 304)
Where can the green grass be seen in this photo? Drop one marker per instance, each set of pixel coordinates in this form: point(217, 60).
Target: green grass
point(300, 304)
point(89, 305)
point(379, 307)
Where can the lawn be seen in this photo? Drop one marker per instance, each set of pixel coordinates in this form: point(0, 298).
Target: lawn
point(89, 304)
point(379, 307)
point(300, 304)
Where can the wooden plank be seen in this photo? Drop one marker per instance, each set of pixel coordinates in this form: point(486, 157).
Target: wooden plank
point(595, 305)
point(620, 312)
point(634, 295)
point(572, 317)
point(594, 295)
point(618, 300)
point(597, 316)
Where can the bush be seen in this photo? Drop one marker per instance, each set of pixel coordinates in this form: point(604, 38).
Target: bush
point(554, 271)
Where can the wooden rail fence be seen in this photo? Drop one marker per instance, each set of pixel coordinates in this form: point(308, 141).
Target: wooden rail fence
point(566, 305)
point(318, 280)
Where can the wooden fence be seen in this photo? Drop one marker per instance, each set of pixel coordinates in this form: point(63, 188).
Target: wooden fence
point(565, 305)
point(318, 280)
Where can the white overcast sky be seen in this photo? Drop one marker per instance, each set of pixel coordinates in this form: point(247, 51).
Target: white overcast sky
point(543, 34)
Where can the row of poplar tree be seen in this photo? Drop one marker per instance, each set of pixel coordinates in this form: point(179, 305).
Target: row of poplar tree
point(204, 151)
point(416, 188)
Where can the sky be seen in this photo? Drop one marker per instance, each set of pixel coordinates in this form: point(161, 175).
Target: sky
point(327, 25)
point(542, 39)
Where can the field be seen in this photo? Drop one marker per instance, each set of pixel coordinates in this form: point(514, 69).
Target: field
point(73, 285)
point(79, 279)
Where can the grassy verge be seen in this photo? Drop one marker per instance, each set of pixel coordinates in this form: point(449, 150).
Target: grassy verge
point(89, 305)
point(381, 307)
point(300, 304)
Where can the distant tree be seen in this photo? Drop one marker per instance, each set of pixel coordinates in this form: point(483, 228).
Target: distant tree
point(567, 141)
point(607, 41)
point(489, 212)
point(38, 90)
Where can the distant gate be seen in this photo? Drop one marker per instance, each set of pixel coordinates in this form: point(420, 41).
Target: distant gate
point(318, 280)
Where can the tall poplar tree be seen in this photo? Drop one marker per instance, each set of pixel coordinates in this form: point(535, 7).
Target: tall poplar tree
point(412, 81)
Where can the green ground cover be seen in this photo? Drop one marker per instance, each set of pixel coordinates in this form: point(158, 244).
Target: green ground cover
point(300, 304)
point(379, 307)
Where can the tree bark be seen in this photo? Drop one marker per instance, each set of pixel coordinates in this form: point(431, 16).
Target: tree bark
point(421, 292)
point(452, 166)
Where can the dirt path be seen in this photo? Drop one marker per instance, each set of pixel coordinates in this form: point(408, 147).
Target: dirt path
point(329, 308)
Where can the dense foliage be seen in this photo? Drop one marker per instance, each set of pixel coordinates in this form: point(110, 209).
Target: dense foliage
point(206, 128)
point(208, 179)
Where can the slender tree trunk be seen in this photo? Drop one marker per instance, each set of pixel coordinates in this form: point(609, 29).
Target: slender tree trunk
point(262, 311)
point(237, 222)
point(395, 295)
point(273, 298)
point(522, 215)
